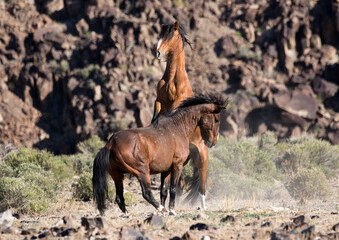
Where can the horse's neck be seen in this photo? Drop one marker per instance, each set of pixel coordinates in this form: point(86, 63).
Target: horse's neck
point(189, 122)
point(175, 69)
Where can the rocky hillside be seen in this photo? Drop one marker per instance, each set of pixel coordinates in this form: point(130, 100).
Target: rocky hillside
point(73, 68)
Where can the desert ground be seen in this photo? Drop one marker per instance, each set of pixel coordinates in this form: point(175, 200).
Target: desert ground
point(224, 219)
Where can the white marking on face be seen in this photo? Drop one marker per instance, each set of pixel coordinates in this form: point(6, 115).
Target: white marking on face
point(159, 43)
point(218, 137)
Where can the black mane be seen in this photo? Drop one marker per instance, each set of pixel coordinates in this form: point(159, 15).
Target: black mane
point(168, 30)
point(198, 99)
point(216, 99)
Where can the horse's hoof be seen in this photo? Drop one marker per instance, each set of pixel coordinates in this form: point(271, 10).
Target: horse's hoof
point(172, 212)
point(160, 208)
point(201, 209)
point(164, 210)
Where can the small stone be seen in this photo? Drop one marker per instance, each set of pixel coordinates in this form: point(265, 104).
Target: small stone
point(188, 236)
point(308, 233)
point(69, 221)
point(266, 224)
point(199, 226)
point(335, 227)
point(299, 220)
point(90, 223)
point(154, 220)
point(201, 215)
point(67, 232)
point(129, 233)
point(228, 218)
point(6, 219)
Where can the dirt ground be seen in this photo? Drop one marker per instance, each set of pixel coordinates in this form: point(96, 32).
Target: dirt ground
point(222, 220)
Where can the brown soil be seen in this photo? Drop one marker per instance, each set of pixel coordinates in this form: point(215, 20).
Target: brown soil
point(250, 222)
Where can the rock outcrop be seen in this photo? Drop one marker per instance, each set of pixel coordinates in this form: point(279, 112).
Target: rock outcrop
point(71, 69)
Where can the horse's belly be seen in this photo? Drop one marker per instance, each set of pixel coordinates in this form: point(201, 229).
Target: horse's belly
point(160, 165)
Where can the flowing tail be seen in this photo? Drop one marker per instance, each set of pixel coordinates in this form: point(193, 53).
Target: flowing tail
point(100, 188)
point(193, 188)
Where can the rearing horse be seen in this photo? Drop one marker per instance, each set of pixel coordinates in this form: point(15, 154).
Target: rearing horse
point(162, 147)
point(173, 88)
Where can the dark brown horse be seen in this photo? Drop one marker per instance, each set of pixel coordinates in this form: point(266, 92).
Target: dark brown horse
point(171, 90)
point(162, 147)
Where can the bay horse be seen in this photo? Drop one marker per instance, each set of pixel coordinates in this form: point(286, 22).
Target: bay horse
point(173, 88)
point(162, 147)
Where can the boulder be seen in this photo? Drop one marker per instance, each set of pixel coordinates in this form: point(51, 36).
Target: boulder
point(130, 233)
point(225, 47)
point(6, 219)
point(324, 88)
point(91, 223)
point(300, 102)
point(154, 220)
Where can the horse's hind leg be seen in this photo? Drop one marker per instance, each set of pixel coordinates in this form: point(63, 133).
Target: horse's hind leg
point(165, 179)
point(119, 188)
point(145, 182)
point(175, 175)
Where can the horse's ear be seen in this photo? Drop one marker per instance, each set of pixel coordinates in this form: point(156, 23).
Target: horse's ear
point(176, 26)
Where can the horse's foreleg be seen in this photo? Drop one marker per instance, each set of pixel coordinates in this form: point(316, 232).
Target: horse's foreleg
point(201, 164)
point(145, 183)
point(165, 179)
point(175, 175)
point(119, 188)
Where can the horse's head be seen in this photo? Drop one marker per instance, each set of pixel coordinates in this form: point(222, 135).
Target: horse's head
point(209, 127)
point(204, 113)
point(172, 37)
point(209, 122)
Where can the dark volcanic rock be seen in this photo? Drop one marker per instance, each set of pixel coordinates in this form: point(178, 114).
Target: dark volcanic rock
point(300, 102)
point(154, 220)
point(225, 47)
point(87, 67)
point(228, 218)
point(129, 233)
point(90, 223)
point(199, 226)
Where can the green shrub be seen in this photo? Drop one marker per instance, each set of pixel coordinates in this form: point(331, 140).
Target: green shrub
point(187, 172)
point(246, 157)
point(84, 188)
point(30, 179)
point(83, 161)
point(308, 184)
point(24, 195)
point(91, 146)
point(36, 177)
point(130, 199)
point(44, 159)
point(243, 168)
point(223, 181)
point(85, 72)
point(307, 152)
point(6, 171)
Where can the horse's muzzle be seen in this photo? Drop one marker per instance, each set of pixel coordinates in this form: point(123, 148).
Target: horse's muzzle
point(209, 144)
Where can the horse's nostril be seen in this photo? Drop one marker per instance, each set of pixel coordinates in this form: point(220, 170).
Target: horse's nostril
point(158, 53)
